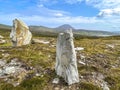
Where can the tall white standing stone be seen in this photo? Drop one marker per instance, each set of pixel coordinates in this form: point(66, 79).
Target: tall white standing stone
point(20, 34)
point(66, 65)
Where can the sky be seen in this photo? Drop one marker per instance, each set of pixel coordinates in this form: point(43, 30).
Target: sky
point(82, 14)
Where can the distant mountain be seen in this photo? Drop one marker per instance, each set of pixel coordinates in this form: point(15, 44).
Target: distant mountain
point(93, 32)
point(42, 30)
point(116, 32)
point(5, 27)
point(63, 27)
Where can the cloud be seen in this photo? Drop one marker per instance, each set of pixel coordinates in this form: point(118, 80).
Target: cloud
point(37, 19)
point(104, 4)
point(109, 12)
point(92, 23)
point(100, 4)
point(58, 15)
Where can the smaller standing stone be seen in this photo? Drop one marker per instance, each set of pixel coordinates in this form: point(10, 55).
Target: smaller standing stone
point(20, 34)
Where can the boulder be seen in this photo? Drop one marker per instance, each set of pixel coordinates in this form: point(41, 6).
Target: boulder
point(66, 65)
point(20, 34)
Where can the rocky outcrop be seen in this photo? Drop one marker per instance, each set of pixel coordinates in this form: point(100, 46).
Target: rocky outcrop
point(20, 34)
point(66, 65)
point(13, 72)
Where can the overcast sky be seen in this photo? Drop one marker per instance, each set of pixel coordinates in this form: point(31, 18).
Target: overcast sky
point(85, 14)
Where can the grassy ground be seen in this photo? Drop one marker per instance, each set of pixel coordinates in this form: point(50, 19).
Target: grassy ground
point(100, 57)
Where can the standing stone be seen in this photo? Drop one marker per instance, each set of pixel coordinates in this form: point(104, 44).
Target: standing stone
point(66, 65)
point(20, 34)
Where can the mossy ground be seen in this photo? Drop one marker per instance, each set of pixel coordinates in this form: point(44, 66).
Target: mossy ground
point(99, 58)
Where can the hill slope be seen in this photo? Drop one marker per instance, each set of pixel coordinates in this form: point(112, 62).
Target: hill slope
point(42, 30)
point(63, 27)
point(5, 27)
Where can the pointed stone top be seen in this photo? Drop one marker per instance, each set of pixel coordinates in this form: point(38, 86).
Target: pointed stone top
point(69, 33)
point(69, 30)
point(20, 22)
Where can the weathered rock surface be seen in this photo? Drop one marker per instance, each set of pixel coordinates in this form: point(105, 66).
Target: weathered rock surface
point(15, 69)
point(20, 34)
point(66, 65)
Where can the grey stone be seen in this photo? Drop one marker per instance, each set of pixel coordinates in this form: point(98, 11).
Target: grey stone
point(80, 62)
point(9, 70)
point(66, 65)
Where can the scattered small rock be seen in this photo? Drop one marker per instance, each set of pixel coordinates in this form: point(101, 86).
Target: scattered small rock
point(55, 81)
point(16, 84)
point(110, 45)
point(40, 41)
point(81, 77)
point(105, 86)
point(80, 62)
point(9, 70)
point(82, 57)
point(37, 74)
point(13, 69)
point(79, 48)
point(53, 45)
